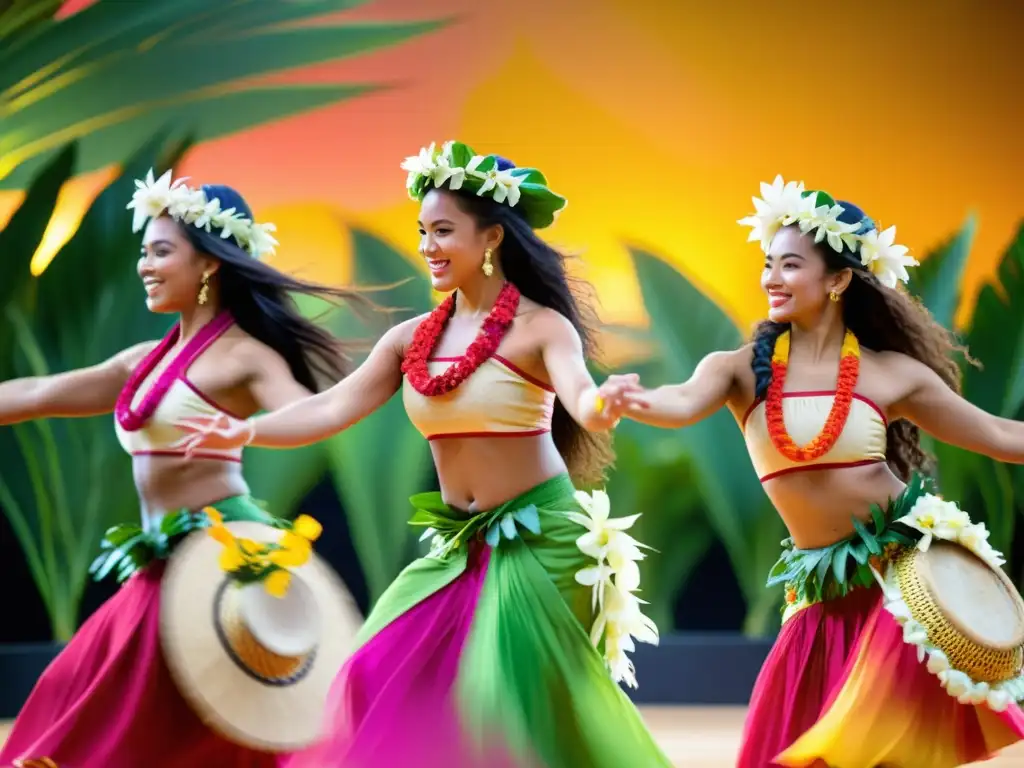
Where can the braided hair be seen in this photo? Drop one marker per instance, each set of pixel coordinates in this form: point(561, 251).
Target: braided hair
point(884, 320)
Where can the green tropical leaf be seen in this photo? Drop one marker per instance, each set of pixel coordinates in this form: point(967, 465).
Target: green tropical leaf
point(937, 281)
point(653, 476)
point(101, 76)
point(21, 237)
point(380, 463)
point(86, 307)
point(19, 17)
point(996, 337)
point(688, 326)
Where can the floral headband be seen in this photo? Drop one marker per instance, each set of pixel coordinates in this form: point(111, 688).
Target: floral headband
point(183, 203)
point(461, 168)
point(785, 203)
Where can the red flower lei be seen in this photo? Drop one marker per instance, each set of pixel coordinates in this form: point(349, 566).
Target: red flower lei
point(493, 330)
point(849, 370)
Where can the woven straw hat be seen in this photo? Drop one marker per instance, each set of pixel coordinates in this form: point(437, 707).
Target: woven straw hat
point(254, 667)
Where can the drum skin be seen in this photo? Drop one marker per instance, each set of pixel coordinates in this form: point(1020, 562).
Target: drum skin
point(973, 612)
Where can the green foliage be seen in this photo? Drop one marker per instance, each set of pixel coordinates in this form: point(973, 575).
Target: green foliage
point(79, 94)
point(988, 490)
point(67, 480)
point(377, 464)
point(654, 476)
point(686, 326)
point(114, 73)
point(832, 571)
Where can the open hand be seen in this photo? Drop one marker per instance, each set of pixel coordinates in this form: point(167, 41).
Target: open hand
point(219, 433)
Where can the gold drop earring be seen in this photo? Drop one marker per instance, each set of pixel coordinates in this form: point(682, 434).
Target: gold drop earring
point(833, 296)
point(204, 289)
point(488, 268)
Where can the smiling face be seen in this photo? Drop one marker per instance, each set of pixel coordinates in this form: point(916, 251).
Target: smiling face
point(170, 268)
point(452, 242)
point(796, 278)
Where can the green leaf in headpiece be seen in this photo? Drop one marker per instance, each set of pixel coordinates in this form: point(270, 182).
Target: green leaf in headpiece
point(820, 198)
point(536, 202)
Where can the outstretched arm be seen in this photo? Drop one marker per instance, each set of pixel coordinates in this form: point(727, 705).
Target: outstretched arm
point(680, 405)
point(311, 419)
point(596, 409)
point(929, 403)
point(85, 392)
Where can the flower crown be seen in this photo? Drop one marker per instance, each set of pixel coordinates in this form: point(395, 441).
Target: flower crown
point(182, 203)
point(461, 168)
point(787, 203)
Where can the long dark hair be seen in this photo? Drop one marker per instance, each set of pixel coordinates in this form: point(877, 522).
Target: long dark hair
point(260, 299)
point(539, 272)
point(884, 320)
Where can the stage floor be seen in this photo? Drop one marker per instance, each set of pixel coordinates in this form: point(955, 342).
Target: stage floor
point(708, 737)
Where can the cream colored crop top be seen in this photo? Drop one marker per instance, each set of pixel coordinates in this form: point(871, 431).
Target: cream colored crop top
point(497, 399)
point(156, 437)
point(863, 440)
point(145, 430)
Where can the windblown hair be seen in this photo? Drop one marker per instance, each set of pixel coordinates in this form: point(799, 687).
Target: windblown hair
point(883, 320)
point(539, 272)
point(260, 299)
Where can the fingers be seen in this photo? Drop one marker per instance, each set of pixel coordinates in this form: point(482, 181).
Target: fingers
point(636, 401)
point(198, 424)
point(618, 394)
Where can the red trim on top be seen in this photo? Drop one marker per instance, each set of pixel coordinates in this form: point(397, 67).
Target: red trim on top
point(827, 465)
point(520, 372)
point(818, 393)
point(197, 455)
point(508, 364)
point(529, 433)
point(209, 400)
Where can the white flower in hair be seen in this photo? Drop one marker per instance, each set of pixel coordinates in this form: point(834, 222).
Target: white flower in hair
point(777, 208)
point(502, 185)
point(824, 220)
point(423, 164)
point(888, 262)
point(260, 239)
point(205, 214)
point(151, 198)
point(444, 171)
point(154, 197)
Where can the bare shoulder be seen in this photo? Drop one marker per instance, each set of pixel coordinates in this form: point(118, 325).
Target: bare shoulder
point(237, 348)
point(894, 363)
point(901, 375)
point(541, 319)
point(399, 336)
point(732, 361)
point(128, 359)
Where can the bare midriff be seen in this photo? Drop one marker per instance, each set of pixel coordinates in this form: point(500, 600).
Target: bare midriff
point(479, 473)
point(818, 506)
point(171, 483)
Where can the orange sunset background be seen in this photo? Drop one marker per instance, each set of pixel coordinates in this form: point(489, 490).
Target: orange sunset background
point(657, 121)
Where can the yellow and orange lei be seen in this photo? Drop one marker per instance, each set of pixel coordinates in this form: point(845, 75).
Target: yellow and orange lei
point(849, 370)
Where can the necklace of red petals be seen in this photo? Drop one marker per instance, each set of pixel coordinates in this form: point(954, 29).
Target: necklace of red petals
point(427, 334)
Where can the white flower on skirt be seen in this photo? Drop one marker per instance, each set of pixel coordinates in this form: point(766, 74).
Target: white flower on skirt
point(936, 518)
point(613, 578)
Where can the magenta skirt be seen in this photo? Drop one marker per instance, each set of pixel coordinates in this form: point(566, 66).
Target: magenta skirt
point(841, 688)
point(108, 700)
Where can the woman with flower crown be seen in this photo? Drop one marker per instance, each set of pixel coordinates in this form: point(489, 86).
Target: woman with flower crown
point(503, 646)
point(239, 346)
point(859, 676)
